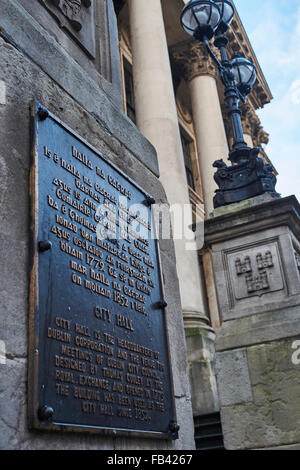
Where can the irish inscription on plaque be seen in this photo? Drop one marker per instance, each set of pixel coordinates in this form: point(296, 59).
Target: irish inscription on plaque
point(99, 348)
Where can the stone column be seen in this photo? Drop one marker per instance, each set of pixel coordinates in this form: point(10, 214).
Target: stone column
point(157, 119)
point(201, 73)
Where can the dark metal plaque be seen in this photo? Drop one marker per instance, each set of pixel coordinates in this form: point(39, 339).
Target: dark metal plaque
point(99, 355)
point(77, 18)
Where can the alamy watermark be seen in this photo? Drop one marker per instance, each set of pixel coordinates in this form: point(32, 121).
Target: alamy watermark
point(296, 354)
point(159, 221)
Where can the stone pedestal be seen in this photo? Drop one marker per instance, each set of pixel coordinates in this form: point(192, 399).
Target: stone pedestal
point(255, 250)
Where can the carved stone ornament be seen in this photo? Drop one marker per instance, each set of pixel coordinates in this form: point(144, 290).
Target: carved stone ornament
point(77, 18)
point(255, 272)
point(250, 177)
point(252, 125)
point(72, 10)
point(193, 59)
point(259, 283)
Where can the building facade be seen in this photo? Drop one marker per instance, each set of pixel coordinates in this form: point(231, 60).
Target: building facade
point(61, 67)
point(173, 93)
point(126, 83)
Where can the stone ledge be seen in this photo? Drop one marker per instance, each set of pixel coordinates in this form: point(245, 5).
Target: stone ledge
point(272, 418)
point(246, 218)
point(259, 329)
point(238, 206)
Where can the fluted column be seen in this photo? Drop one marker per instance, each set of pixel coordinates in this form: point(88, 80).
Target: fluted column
point(157, 119)
point(200, 71)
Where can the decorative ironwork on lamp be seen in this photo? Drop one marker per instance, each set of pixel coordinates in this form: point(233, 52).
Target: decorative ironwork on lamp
point(249, 176)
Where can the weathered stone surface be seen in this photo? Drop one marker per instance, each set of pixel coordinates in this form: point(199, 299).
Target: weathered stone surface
point(184, 416)
point(201, 357)
point(175, 337)
point(233, 377)
point(2, 92)
point(256, 329)
point(14, 295)
point(273, 417)
point(250, 218)
point(12, 399)
point(291, 447)
point(238, 206)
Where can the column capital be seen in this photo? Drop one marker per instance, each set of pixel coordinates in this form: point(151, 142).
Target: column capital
point(193, 60)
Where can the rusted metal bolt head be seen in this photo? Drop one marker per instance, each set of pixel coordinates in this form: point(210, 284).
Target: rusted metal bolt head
point(45, 413)
point(42, 114)
point(44, 246)
point(149, 201)
point(174, 426)
point(162, 304)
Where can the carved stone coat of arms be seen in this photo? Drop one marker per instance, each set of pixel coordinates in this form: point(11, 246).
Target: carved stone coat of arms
point(76, 17)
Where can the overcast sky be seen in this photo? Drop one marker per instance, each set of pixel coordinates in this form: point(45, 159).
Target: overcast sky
point(273, 27)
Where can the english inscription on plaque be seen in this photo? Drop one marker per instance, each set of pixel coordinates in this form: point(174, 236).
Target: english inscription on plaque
point(98, 343)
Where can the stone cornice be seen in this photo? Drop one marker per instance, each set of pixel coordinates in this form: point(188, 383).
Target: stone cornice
point(239, 42)
point(251, 216)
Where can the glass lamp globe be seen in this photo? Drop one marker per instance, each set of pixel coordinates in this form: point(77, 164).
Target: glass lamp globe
point(200, 18)
point(245, 73)
point(227, 14)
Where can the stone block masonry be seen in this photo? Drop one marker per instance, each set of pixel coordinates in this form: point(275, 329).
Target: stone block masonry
point(255, 247)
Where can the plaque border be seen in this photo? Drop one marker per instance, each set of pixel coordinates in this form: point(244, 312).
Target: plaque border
point(33, 321)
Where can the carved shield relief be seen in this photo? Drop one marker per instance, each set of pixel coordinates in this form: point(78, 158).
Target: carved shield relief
point(77, 18)
point(255, 272)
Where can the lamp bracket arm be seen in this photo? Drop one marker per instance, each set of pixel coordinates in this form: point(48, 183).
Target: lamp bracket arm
point(214, 57)
point(242, 97)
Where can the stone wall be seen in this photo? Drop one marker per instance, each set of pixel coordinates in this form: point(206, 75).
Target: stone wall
point(38, 65)
point(260, 399)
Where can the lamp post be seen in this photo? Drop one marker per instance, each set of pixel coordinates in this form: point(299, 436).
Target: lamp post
point(248, 176)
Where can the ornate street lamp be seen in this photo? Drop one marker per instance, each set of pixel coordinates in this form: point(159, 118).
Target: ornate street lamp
point(249, 176)
point(200, 18)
